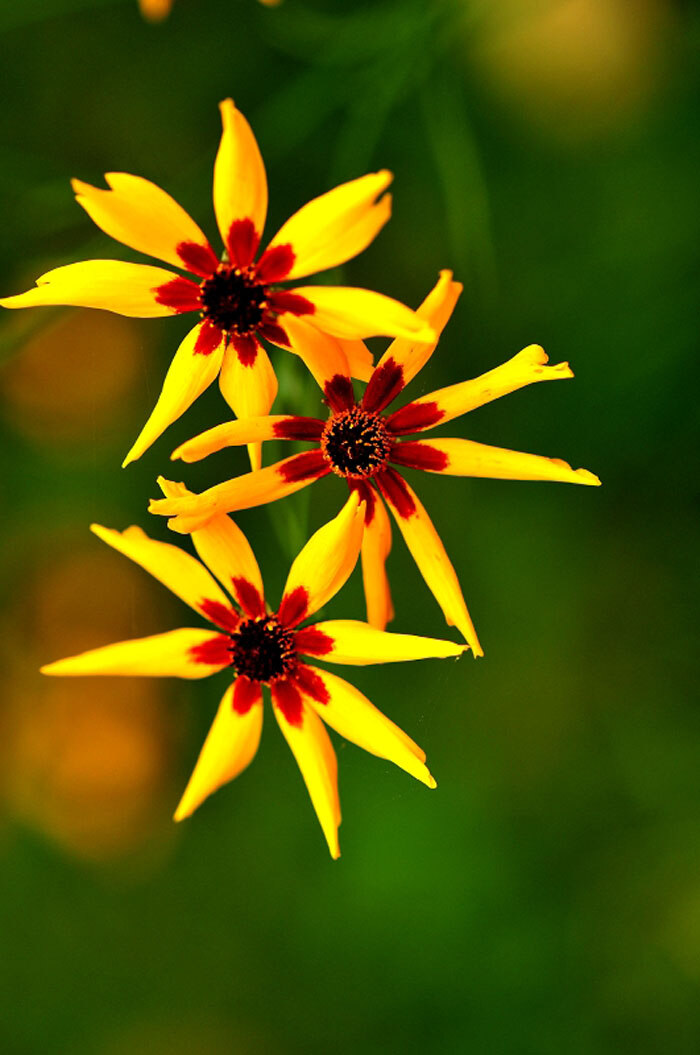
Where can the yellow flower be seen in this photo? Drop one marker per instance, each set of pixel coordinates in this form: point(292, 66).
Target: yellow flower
point(362, 444)
point(155, 10)
point(237, 298)
point(259, 647)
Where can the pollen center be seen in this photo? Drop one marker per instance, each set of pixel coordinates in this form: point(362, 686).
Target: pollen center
point(356, 443)
point(233, 301)
point(263, 650)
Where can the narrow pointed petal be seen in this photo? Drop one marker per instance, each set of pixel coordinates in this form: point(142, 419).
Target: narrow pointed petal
point(360, 359)
point(322, 354)
point(324, 564)
point(404, 358)
point(244, 492)
point(189, 374)
point(244, 430)
point(180, 572)
point(429, 554)
point(467, 458)
point(356, 719)
point(249, 388)
point(352, 314)
point(230, 746)
point(240, 183)
point(337, 225)
point(139, 214)
point(376, 546)
point(311, 746)
point(171, 655)
point(359, 644)
point(525, 368)
point(226, 552)
point(112, 285)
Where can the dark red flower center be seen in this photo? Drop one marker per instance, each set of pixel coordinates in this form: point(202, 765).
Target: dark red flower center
point(262, 649)
point(356, 443)
point(233, 300)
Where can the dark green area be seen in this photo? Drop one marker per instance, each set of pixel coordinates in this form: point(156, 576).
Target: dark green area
point(546, 898)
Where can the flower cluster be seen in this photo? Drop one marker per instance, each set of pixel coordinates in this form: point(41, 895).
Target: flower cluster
point(245, 299)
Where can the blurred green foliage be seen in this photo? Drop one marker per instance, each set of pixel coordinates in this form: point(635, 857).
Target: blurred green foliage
point(546, 898)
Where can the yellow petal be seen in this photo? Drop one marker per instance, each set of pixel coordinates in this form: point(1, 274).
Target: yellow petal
point(240, 183)
point(180, 572)
point(525, 368)
point(113, 285)
point(162, 655)
point(314, 754)
point(139, 214)
point(244, 492)
point(376, 546)
point(358, 644)
point(249, 390)
point(356, 719)
point(467, 458)
point(433, 563)
point(189, 374)
point(436, 310)
point(233, 434)
point(349, 313)
point(360, 359)
point(222, 546)
point(324, 564)
point(322, 354)
point(230, 746)
point(337, 225)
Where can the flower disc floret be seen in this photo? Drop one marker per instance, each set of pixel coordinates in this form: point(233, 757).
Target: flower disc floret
point(233, 301)
point(263, 650)
point(356, 443)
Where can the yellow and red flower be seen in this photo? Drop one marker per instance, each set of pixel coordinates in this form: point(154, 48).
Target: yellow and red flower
point(263, 648)
point(363, 443)
point(238, 298)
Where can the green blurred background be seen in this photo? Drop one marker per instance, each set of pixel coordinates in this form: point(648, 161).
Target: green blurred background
point(546, 898)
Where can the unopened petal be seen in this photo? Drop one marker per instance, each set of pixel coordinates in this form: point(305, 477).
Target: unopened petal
point(356, 719)
point(189, 374)
point(230, 746)
point(337, 225)
point(240, 183)
point(359, 644)
point(314, 754)
point(112, 285)
point(324, 564)
point(139, 214)
point(352, 314)
point(174, 655)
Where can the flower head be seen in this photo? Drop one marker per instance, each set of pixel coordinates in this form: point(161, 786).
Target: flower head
point(362, 442)
point(237, 293)
point(259, 647)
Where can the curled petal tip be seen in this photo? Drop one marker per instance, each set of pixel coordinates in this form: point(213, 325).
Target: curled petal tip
point(432, 782)
point(588, 478)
